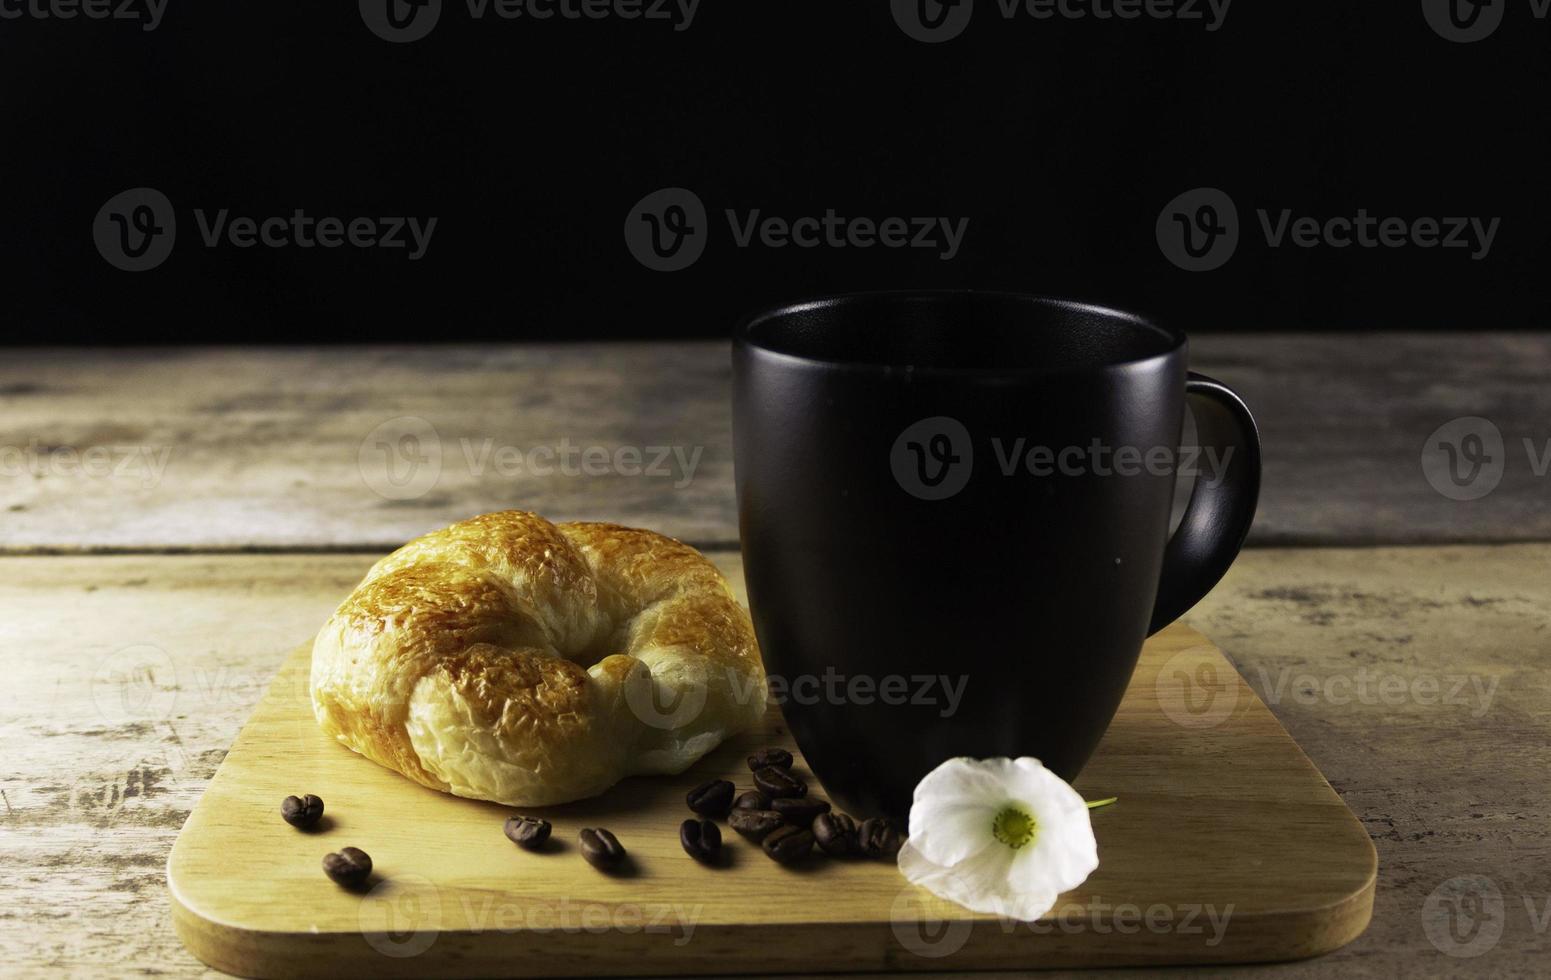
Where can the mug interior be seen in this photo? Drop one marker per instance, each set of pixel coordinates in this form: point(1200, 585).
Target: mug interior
point(958, 331)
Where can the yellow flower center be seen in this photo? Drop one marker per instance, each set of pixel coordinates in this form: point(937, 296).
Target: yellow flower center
point(1014, 827)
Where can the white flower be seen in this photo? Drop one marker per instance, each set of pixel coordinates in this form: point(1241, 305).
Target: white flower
point(1003, 836)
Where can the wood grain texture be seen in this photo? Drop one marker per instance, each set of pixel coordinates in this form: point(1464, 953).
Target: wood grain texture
point(94, 790)
point(286, 448)
point(1226, 836)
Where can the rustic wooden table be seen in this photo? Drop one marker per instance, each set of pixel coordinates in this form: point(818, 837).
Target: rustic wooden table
point(175, 521)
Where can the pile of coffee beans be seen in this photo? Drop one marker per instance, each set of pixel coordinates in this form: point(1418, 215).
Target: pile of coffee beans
point(787, 823)
point(778, 815)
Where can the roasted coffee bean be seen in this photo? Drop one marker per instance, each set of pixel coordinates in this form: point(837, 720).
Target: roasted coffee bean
point(301, 811)
point(350, 867)
point(528, 833)
point(752, 800)
point(711, 799)
point(788, 844)
point(779, 758)
point(756, 825)
point(877, 838)
point(778, 783)
point(835, 834)
point(702, 840)
point(799, 810)
point(601, 848)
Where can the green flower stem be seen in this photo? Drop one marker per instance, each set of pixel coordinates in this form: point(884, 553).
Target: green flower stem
point(1105, 802)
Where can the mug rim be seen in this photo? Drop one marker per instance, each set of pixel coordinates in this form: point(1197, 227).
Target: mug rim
point(743, 332)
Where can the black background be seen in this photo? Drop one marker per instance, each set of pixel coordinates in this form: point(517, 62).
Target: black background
point(531, 141)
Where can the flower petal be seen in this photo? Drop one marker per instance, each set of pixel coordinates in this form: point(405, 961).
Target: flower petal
point(951, 831)
point(954, 805)
point(966, 780)
point(1052, 866)
point(1064, 851)
point(980, 884)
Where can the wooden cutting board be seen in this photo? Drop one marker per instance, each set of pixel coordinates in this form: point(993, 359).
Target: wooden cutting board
point(1227, 845)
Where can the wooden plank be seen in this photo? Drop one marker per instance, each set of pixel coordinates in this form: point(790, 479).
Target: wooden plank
point(1345, 418)
point(1448, 791)
point(1223, 822)
point(297, 448)
point(1416, 680)
point(290, 448)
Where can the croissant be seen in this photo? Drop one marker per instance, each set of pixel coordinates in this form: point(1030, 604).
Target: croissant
point(509, 659)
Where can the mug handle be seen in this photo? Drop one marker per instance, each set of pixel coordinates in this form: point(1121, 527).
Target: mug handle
point(1219, 514)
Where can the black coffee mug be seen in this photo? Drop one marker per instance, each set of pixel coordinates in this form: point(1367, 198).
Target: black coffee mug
point(955, 514)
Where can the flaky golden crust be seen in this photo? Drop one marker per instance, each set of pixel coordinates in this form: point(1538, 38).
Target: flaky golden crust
point(510, 659)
